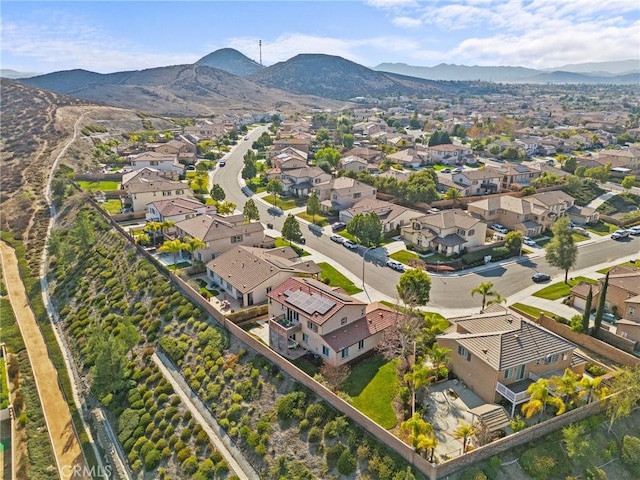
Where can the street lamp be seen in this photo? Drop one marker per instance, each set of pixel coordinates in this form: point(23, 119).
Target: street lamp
point(364, 287)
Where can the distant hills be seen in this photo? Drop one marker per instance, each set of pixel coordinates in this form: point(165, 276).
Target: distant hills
point(14, 74)
point(623, 72)
point(226, 80)
point(232, 61)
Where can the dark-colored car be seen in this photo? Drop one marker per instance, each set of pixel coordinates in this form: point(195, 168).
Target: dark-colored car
point(337, 226)
point(540, 277)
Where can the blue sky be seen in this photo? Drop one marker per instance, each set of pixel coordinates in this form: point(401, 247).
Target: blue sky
point(113, 36)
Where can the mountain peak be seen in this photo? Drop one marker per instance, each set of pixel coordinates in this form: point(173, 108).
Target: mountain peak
point(232, 61)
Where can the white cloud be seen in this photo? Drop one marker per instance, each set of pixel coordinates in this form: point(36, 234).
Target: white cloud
point(407, 22)
point(392, 4)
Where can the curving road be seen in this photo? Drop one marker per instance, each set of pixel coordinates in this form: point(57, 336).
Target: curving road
point(447, 291)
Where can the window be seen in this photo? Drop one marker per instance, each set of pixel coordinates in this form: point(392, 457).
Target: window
point(312, 326)
point(508, 373)
point(357, 195)
point(631, 311)
point(343, 321)
point(463, 352)
point(471, 232)
point(292, 315)
point(345, 353)
point(551, 359)
point(269, 289)
point(360, 344)
point(153, 163)
point(236, 239)
point(325, 351)
point(565, 355)
point(305, 338)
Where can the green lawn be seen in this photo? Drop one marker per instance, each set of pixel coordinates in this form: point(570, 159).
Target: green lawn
point(372, 386)
point(536, 311)
point(285, 203)
point(404, 256)
point(112, 207)
point(579, 238)
point(561, 289)
point(281, 242)
point(346, 234)
point(625, 264)
point(320, 219)
point(602, 228)
point(336, 279)
point(104, 185)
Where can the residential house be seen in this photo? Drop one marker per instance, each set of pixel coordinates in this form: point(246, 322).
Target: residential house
point(514, 175)
point(399, 175)
point(448, 232)
point(206, 130)
point(325, 321)
point(627, 157)
point(146, 186)
point(498, 354)
point(481, 181)
point(391, 216)
point(342, 193)
point(182, 148)
point(527, 145)
point(449, 154)
point(369, 154)
point(582, 215)
point(301, 181)
point(529, 218)
point(248, 274)
point(408, 158)
point(177, 209)
point(159, 161)
point(221, 233)
point(354, 164)
point(301, 144)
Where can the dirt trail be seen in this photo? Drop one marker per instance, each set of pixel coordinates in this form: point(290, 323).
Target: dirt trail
point(66, 447)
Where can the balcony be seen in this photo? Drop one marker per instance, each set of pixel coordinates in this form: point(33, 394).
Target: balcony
point(283, 326)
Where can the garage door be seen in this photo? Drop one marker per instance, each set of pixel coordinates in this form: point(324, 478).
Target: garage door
point(579, 303)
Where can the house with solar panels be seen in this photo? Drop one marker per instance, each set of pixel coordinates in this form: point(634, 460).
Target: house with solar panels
point(306, 314)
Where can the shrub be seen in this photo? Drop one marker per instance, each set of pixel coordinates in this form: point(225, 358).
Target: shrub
point(595, 370)
point(473, 474)
point(152, 460)
point(631, 453)
point(287, 405)
point(539, 463)
point(333, 453)
point(183, 454)
point(315, 435)
point(346, 463)
point(190, 465)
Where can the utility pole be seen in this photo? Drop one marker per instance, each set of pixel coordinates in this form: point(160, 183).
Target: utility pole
point(260, 47)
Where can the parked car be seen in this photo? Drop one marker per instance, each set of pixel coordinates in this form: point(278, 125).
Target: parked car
point(457, 170)
point(609, 318)
point(540, 277)
point(336, 238)
point(246, 137)
point(445, 170)
point(581, 231)
point(301, 240)
point(222, 163)
point(350, 244)
point(635, 230)
point(337, 226)
point(395, 265)
point(619, 234)
point(498, 228)
point(529, 241)
point(190, 168)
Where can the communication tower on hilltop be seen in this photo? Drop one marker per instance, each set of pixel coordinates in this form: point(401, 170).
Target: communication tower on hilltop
point(260, 46)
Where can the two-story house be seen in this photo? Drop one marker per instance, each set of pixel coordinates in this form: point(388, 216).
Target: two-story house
point(325, 321)
point(342, 193)
point(482, 181)
point(408, 158)
point(391, 216)
point(498, 354)
point(354, 164)
point(447, 232)
point(515, 213)
point(369, 154)
point(449, 154)
point(221, 233)
point(514, 175)
point(177, 209)
point(158, 161)
point(248, 274)
point(146, 186)
point(301, 181)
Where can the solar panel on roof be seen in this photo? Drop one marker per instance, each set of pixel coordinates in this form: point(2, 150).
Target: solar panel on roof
point(310, 304)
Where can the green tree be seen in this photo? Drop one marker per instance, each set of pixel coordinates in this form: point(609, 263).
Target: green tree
point(418, 376)
point(217, 193)
point(570, 164)
point(174, 247)
point(566, 386)
point(291, 229)
point(275, 188)
point(580, 171)
point(250, 211)
point(416, 430)
point(628, 182)
point(464, 431)
point(488, 294)
point(249, 170)
point(513, 241)
point(348, 140)
point(328, 155)
point(540, 396)
point(226, 208)
point(200, 183)
point(414, 287)
point(83, 233)
point(561, 252)
point(587, 311)
point(108, 356)
point(367, 227)
point(192, 244)
point(592, 388)
point(573, 183)
point(129, 335)
point(625, 387)
point(578, 444)
point(602, 300)
point(512, 153)
point(322, 135)
point(313, 206)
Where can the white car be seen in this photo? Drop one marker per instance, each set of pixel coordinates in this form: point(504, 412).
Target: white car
point(498, 228)
point(395, 265)
point(635, 230)
point(618, 234)
point(350, 244)
point(336, 238)
point(529, 241)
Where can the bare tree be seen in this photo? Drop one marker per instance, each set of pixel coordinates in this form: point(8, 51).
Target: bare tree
point(398, 340)
point(334, 375)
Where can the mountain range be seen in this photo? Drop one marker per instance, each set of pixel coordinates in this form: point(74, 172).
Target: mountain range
point(623, 72)
point(226, 80)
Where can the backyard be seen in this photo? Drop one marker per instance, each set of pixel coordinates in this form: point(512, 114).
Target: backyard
point(104, 185)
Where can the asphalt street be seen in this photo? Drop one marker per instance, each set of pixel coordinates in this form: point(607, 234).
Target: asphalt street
point(447, 290)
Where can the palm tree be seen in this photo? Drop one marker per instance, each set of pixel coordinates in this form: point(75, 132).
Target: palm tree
point(142, 239)
point(418, 376)
point(591, 388)
point(453, 194)
point(486, 290)
point(566, 385)
point(428, 443)
point(417, 431)
point(173, 247)
point(540, 396)
point(154, 227)
point(464, 431)
point(166, 225)
point(193, 244)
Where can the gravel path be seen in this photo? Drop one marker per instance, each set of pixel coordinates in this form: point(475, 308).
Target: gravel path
point(66, 447)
